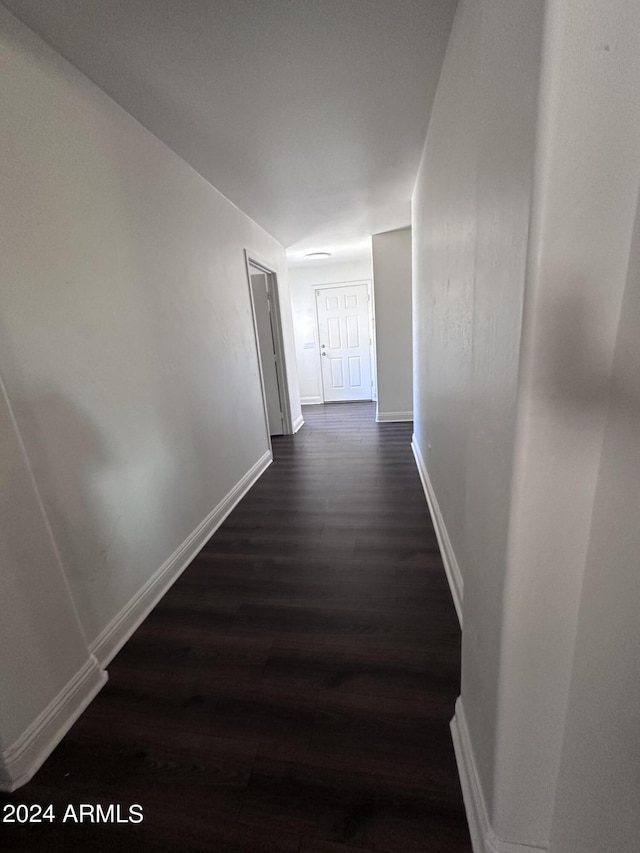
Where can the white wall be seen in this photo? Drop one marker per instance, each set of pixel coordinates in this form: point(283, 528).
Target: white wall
point(444, 225)
point(523, 216)
point(43, 646)
point(128, 357)
point(470, 209)
point(302, 280)
point(392, 283)
point(585, 199)
point(597, 802)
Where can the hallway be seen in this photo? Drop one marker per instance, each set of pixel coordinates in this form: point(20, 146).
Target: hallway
point(293, 690)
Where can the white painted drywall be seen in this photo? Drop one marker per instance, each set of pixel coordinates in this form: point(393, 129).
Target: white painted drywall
point(525, 206)
point(444, 221)
point(392, 285)
point(470, 208)
point(585, 198)
point(42, 642)
point(597, 802)
point(126, 348)
point(302, 280)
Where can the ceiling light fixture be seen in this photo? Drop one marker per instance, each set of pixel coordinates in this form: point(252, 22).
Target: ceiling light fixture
point(313, 256)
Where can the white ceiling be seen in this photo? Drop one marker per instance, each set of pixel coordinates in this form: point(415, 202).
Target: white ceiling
point(310, 115)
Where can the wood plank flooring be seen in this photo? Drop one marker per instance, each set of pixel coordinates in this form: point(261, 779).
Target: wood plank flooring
point(293, 690)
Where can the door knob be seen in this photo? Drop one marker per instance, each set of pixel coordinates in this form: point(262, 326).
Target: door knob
point(324, 353)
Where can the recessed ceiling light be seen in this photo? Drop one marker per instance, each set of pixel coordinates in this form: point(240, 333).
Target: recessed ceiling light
point(318, 255)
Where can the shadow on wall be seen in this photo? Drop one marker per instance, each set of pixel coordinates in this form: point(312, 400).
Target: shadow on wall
point(575, 367)
point(600, 747)
point(67, 455)
point(625, 388)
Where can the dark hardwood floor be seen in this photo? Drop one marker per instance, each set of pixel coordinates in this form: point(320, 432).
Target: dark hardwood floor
point(293, 690)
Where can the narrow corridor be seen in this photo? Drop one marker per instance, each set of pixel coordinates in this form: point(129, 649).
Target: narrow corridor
point(293, 690)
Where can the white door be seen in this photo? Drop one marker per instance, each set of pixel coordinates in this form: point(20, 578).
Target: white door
point(345, 354)
point(262, 308)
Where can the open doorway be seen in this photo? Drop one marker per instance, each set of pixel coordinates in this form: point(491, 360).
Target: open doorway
point(265, 306)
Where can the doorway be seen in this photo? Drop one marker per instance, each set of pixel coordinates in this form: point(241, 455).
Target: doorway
point(265, 306)
point(344, 331)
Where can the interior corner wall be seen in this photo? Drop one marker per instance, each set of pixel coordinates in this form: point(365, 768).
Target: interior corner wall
point(302, 280)
point(569, 580)
point(596, 807)
point(126, 348)
point(392, 286)
point(525, 414)
point(471, 208)
point(43, 646)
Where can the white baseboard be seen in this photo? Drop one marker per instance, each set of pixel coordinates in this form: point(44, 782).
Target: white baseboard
point(454, 576)
point(393, 417)
point(23, 758)
point(311, 401)
point(483, 838)
point(299, 421)
point(114, 636)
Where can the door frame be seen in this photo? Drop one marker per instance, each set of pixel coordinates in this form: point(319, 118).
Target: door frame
point(252, 261)
point(372, 330)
